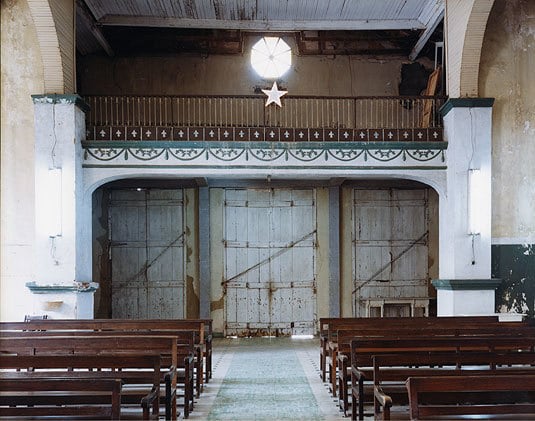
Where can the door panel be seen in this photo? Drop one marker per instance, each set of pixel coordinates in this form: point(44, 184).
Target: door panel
point(270, 261)
point(147, 253)
point(390, 250)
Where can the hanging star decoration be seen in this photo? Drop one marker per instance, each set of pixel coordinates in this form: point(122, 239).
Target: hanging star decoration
point(274, 95)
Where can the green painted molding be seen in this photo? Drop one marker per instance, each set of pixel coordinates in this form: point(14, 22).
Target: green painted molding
point(76, 287)
point(62, 99)
point(466, 103)
point(466, 284)
point(442, 145)
point(263, 167)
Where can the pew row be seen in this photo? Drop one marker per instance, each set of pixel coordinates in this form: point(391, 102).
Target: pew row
point(202, 327)
point(27, 398)
point(140, 375)
point(171, 355)
point(339, 366)
point(506, 397)
point(391, 371)
point(363, 350)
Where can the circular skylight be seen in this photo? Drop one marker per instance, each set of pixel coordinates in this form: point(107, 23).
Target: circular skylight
point(271, 57)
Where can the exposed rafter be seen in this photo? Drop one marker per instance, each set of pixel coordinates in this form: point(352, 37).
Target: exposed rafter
point(85, 14)
point(431, 25)
point(261, 25)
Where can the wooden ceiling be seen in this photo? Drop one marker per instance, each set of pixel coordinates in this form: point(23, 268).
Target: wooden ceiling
point(320, 27)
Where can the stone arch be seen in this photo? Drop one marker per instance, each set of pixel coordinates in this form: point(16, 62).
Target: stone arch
point(466, 22)
point(54, 24)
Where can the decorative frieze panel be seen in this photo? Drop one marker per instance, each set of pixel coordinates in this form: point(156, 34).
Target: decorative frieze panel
point(425, 155)
point(260, 134)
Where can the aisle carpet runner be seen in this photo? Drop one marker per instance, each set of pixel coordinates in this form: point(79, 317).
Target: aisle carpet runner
point(265, 382)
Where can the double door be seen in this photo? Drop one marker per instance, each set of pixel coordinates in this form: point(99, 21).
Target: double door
point(270, 261)
point(146, 234)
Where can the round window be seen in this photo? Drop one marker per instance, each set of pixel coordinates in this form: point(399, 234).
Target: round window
point(271, 57)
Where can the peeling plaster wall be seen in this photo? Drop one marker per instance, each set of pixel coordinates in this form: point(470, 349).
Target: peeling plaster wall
point(21, 76)
point(322, 252)
point(217, 258)
point(101, 266)
point(233, 75)
point(191, 222)
point(507, 74)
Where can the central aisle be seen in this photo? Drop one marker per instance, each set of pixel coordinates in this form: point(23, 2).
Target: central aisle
point(266, 379)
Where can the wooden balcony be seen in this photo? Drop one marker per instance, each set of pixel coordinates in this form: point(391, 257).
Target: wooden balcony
point(246, 119)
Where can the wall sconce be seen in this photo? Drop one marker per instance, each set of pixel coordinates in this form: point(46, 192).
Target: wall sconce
point(475, 201)
point(53, 203)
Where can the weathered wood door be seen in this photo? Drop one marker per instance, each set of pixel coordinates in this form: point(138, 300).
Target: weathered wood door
point(270, 262)
point(147, 253)
point(390, 251)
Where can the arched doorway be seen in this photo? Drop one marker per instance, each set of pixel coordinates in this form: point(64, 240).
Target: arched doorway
point(140, 232)
point(394, 228)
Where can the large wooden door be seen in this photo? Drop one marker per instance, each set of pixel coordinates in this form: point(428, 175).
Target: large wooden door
point(390, 251)
point(270, 264)
point(147, 253)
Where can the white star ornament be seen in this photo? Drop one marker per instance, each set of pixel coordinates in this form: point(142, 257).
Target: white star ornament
point(274, 95)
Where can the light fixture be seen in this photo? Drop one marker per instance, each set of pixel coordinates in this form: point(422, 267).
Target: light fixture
point(271, 57)
point(475, 201)
point(52, 206)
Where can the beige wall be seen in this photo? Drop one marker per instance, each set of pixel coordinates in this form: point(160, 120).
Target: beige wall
point(507, 74)
point(229, 75)
point(465, 24)
point(64, 14)
point(21, 76)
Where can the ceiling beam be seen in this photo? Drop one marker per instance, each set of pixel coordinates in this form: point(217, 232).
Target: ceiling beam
point(435, 17)
point(261, 25)
point(85, 14)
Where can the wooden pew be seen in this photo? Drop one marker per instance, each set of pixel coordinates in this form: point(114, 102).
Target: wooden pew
point(27, 398)
point(364, 349)
point(505, 396)
point(140, 371)
point(202, 326)
point(339, 366)
point(118, 346)
point(391, 371)
point(329, 328)
point(432, 327)
point(185, 347)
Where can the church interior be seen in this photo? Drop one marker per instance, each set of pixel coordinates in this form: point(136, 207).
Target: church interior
point(271, 198)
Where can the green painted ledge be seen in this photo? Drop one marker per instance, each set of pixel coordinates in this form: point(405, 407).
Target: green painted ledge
point(466, 103)
point(466, 284)
point(62, 99)
point(76, 287)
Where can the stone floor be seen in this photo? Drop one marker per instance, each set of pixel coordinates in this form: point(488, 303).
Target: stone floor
point(266, 379)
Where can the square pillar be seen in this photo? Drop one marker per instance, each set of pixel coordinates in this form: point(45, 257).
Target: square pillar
point(464, 248)
point(62, 229)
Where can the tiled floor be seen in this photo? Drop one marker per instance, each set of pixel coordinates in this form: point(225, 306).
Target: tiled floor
point(266, 379)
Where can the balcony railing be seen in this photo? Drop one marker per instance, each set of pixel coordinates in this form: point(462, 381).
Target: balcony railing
point(346, 117)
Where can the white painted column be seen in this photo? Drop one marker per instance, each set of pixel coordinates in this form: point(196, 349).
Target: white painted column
point(62, 225)
point(465, 255)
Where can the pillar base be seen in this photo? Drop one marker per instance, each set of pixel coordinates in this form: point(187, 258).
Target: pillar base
point(63, 301)
point(466, 297)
